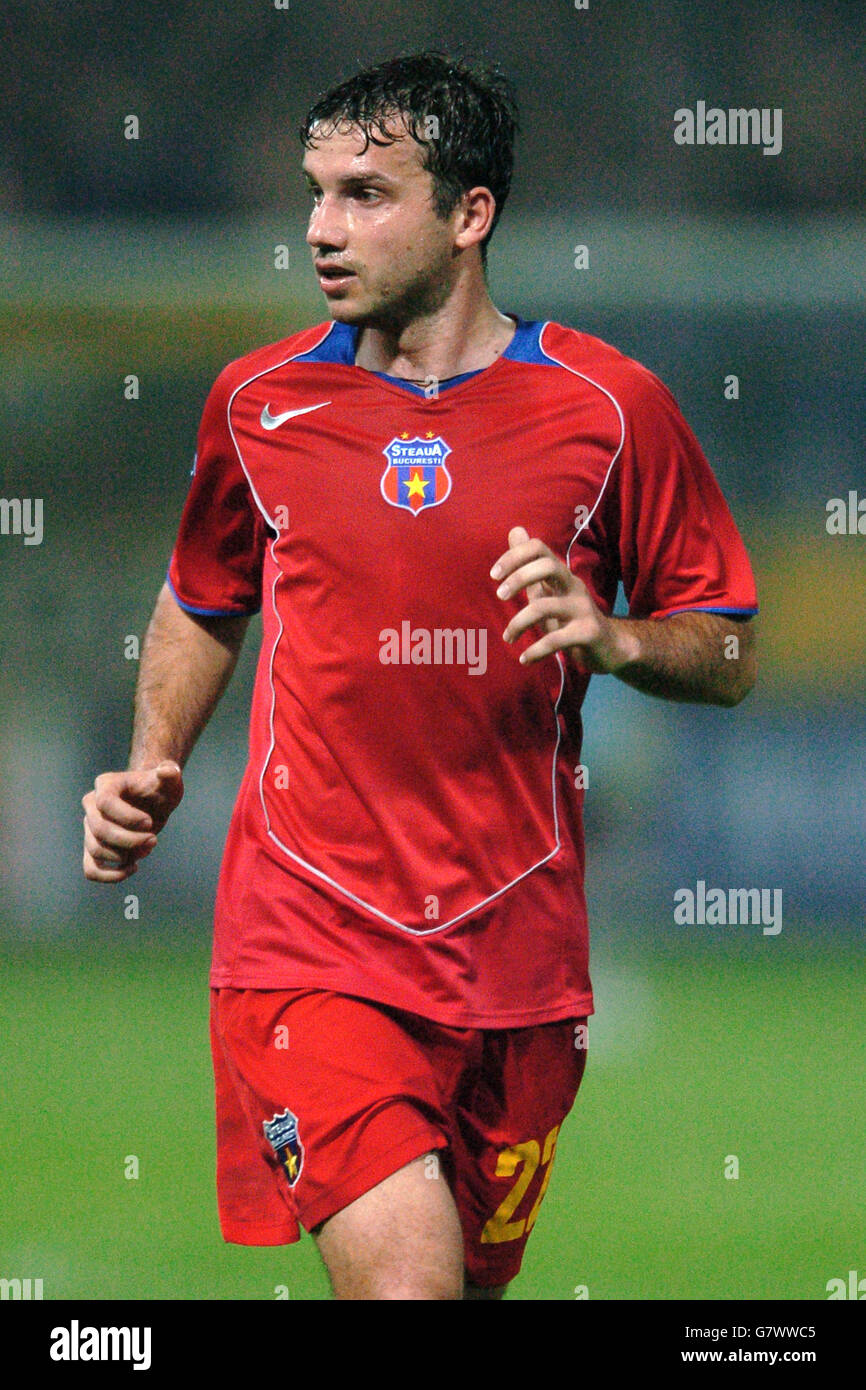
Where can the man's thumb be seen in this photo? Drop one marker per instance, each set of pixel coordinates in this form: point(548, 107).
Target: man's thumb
point(167, 770)
point(165, 781)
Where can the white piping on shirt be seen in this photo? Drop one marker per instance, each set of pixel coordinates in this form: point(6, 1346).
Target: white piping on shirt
point(619, 447)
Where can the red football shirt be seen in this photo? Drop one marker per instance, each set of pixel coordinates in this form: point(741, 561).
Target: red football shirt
point(408, 828)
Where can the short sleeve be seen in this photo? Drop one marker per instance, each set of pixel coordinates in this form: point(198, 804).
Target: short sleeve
point(678, 545)
point(216, 565)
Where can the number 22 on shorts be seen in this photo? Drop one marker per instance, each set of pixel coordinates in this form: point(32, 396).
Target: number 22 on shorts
point(500, 1226)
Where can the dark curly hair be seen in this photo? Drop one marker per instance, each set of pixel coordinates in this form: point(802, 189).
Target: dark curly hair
point(464, 116)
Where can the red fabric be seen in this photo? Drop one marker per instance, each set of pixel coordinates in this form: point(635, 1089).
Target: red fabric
point(412, 833)
point(371, 1089)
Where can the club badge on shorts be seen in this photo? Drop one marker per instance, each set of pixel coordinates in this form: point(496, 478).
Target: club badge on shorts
point(416, 476)
point(282, 1134)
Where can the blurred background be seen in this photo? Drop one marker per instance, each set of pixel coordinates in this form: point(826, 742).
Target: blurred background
point(153, 258)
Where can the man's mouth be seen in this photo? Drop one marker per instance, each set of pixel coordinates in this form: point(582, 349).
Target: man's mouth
point(333, 276)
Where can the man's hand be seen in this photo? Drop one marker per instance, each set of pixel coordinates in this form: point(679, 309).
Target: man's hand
point(123, 816)
point(702, 657)
point(560, 602)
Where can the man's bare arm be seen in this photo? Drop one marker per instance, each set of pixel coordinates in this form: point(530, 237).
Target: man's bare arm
point(687, 656)
point(705, 658)
point(186, 664)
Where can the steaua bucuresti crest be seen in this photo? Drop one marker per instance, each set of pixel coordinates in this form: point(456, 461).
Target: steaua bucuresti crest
point(282, 1134)
point(416, 476)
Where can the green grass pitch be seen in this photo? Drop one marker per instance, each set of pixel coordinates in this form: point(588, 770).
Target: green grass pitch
point(693, 1058)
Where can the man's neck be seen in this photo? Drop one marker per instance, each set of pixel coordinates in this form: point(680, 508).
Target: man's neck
point(452, 340)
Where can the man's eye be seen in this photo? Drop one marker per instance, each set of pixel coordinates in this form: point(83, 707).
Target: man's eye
point(368, 195)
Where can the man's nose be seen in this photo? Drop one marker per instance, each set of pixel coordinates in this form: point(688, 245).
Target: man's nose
point(327, 226)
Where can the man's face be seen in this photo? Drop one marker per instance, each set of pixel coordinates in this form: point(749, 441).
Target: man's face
point(382, 255)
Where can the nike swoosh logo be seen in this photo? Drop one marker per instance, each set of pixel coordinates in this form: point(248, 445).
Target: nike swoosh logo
point(270, 422)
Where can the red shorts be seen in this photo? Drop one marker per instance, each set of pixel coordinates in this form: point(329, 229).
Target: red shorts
point(320, 1096)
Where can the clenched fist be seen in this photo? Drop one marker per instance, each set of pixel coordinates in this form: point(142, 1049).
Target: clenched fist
point(123, 816)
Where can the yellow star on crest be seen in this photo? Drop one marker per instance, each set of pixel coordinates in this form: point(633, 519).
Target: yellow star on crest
point(416, 486)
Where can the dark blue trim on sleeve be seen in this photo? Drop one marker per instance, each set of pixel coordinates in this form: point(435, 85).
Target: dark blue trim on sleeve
point(725, 612)
point(210, 612)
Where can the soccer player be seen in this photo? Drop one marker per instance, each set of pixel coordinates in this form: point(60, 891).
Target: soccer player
point(433, 503)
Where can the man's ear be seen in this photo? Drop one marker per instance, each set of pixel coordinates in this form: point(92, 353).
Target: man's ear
point(477, 208)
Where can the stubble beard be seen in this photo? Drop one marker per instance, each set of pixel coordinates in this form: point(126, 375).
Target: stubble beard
point(392, 312)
